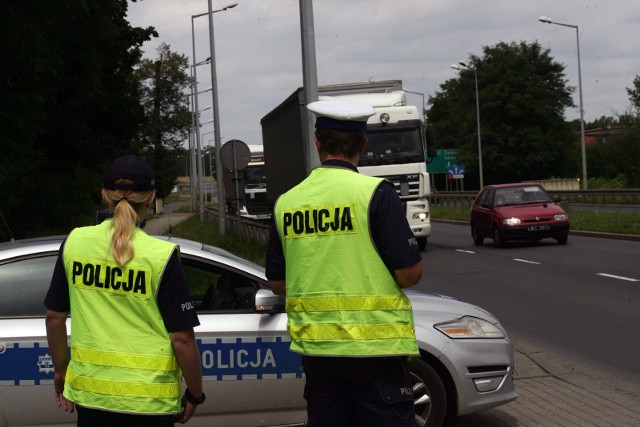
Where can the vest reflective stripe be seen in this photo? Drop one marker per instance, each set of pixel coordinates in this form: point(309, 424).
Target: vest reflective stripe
point(346, 303)
point(123, 389)
point(345, 331)
point(124, 360)
point(341, 298)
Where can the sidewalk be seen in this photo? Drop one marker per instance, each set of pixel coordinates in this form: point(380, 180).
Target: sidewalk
point(551, 395)
point(162, 223)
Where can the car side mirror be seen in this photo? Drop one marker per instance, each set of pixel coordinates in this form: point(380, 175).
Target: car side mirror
point(556, 198)
point(268, 302)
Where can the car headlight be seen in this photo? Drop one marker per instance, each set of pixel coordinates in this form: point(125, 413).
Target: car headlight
point(561, 217)
point(511, 221)
point(469, 327)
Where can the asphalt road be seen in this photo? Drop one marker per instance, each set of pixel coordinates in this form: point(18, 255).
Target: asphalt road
point(576, 302)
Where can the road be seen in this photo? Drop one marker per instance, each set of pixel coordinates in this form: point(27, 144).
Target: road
point(576, 302)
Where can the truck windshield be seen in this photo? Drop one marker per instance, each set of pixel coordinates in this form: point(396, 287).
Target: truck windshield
point(254, 176)
point(392, 146)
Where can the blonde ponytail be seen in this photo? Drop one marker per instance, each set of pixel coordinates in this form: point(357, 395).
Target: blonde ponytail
point(126, 206)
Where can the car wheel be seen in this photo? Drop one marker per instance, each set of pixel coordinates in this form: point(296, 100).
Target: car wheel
point(477, 237)
point(430, 398)
point(562, 240)
point(422, 243)
point(498, 240)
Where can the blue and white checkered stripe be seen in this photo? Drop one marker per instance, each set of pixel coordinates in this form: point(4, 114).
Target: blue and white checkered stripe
point(248, 358)
point(223, 359)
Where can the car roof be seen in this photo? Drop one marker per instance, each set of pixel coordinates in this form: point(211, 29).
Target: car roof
point(513, 184)
point(51, 244)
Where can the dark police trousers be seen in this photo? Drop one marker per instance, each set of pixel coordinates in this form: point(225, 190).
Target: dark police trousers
point(358, 391)
point(88, 417)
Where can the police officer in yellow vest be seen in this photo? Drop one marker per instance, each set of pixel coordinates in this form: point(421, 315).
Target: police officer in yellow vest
point(132, 318)
point(341, 250)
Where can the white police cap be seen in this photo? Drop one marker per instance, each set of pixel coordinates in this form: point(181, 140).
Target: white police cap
point(341, 115)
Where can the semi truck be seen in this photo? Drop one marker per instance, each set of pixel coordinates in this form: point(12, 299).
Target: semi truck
point(396, 149)
point(251, 200)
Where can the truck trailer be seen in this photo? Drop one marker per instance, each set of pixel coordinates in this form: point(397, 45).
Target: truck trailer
point(395, 151)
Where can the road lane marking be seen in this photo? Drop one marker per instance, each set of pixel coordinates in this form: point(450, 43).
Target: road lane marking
point(465, 251)
point(526, 261)
point(613, 276)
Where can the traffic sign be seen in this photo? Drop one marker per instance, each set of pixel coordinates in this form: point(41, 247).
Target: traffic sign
point(442, 161)
point(455, 172)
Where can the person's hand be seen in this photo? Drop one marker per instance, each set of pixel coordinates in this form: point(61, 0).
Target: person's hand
point(61, 401)
point(186, 411)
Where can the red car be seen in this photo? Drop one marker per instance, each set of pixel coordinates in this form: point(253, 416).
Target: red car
point(522, 211)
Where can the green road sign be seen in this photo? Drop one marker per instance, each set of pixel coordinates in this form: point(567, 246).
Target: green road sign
point(442, 161)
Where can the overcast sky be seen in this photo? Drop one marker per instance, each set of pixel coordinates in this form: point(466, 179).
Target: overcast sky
point(258, 47)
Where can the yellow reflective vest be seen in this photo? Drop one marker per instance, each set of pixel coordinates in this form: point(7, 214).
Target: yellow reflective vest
point(121, 355)
point(341, 298)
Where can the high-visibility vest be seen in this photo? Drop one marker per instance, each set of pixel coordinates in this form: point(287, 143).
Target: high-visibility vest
point(121, 355)
point(341, 298)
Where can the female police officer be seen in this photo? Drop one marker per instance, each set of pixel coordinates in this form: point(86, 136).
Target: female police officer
point(132, 318)
point(341, 250)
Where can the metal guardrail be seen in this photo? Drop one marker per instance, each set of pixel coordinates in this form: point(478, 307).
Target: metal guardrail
point(247, 230)
point(465, 199)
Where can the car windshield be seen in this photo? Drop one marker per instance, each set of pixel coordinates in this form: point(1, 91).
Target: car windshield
point(521, 195)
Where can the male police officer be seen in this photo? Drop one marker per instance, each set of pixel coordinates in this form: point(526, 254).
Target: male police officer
point(341, 250)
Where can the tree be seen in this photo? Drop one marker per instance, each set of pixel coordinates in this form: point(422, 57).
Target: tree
point(634, 94)
point(69, 105)
point(167, 118)
point(522, 96)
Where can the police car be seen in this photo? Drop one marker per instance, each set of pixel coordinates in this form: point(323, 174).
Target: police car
point(250, 376)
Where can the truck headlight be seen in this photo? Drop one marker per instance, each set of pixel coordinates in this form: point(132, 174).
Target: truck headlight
point(469, 327)
point(421, 215)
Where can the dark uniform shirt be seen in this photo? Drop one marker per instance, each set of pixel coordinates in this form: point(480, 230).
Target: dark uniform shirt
point(172, 294)
point(390, 231)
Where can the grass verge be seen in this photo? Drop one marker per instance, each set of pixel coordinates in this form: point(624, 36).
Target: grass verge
point(207, 232)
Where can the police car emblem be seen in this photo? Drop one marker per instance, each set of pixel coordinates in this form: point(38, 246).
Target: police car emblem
point(45, 364)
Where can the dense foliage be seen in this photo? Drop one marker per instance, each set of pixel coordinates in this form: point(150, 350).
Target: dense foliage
point(74, 95)
point(69, 104)
point(522, 96)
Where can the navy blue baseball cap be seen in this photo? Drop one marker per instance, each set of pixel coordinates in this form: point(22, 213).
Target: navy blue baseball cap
point(132, 168)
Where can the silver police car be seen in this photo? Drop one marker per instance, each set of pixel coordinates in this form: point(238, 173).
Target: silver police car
point(250, 376)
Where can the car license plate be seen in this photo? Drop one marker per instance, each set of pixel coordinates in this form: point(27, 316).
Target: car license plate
point(543, 227)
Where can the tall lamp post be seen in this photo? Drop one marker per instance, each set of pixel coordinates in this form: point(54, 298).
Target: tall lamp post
point(216, 121)
point(216, 118)
point(195, 126)
point(463, 66)
point(583, 148)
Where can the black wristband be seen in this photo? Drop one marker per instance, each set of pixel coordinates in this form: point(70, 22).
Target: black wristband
point(193, 400)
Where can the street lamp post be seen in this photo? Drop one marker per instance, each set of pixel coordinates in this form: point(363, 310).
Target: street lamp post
point(198, 169)
point(583, 148)
point(216, 117)
point(463, 65)
point(216, 121)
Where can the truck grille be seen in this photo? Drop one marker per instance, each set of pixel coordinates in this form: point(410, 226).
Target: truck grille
point(407, 186)
point(256, 203)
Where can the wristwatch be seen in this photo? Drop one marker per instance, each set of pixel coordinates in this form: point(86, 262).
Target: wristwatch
point(193, 400)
